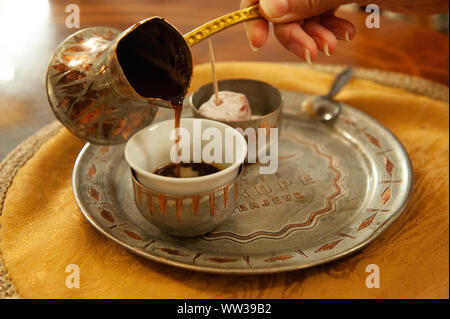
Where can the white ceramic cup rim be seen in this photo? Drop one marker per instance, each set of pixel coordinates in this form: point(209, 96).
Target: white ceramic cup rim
point(240, 158)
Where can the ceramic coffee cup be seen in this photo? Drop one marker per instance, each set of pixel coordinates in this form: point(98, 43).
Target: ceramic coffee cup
point(193, 206)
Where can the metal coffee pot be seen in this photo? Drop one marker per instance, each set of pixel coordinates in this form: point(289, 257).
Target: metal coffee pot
point(104, 85)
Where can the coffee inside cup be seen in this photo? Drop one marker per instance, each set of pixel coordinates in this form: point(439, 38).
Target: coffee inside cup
point(202, 142)
point(186, 170)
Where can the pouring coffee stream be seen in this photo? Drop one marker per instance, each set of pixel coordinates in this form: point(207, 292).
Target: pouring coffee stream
point(137, 57)
point(104, 85)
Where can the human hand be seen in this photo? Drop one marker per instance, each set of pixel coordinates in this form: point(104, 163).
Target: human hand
point(304, 27)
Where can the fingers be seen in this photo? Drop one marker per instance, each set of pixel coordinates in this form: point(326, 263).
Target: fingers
point(341, 28)
point(304, 37)
point(325, 39)
point(257, 33)
point(295, 39)
point(283, 11)
point(257, 30)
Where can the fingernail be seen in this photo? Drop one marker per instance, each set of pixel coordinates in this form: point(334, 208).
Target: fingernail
point(347, 36)
point(250, 41)
point(308, 56)
point(326, 49)
point(252, 47)
point(274, 8)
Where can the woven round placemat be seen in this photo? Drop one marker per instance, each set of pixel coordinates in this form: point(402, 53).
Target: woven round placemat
point(22, 153)
point(8, 169)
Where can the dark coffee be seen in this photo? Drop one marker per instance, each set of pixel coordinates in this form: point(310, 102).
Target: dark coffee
point(151, 64)
point(142, 62)
point(187, 170)
point(157, 64)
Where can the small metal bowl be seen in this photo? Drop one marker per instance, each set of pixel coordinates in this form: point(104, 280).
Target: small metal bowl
point(266, 103)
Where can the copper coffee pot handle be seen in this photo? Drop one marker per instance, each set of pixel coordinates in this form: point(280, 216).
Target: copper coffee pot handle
point(222, 23)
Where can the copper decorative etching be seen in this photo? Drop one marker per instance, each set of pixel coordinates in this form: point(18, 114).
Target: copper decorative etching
point(288, 187)
point(94, 80)
point(193, 213)
point(85, 87)
point(336, 190)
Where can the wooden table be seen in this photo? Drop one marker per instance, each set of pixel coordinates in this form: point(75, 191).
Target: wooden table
point(33, 32)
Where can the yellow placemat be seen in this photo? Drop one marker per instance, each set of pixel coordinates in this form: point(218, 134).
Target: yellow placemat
point(43, 231)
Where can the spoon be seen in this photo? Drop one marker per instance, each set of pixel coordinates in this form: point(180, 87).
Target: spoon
point(323, 107)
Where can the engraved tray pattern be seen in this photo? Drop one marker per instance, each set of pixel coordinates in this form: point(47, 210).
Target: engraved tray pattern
point(337, 188)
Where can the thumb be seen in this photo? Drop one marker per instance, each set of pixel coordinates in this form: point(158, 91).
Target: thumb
point(282, 11)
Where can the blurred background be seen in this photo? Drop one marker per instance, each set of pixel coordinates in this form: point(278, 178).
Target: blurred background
point(32, 29)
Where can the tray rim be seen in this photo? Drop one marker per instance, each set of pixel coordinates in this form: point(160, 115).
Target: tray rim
point(271, 269)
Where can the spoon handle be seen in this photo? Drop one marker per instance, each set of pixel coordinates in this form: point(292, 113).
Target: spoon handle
point(219, 24)
point(341, 80)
